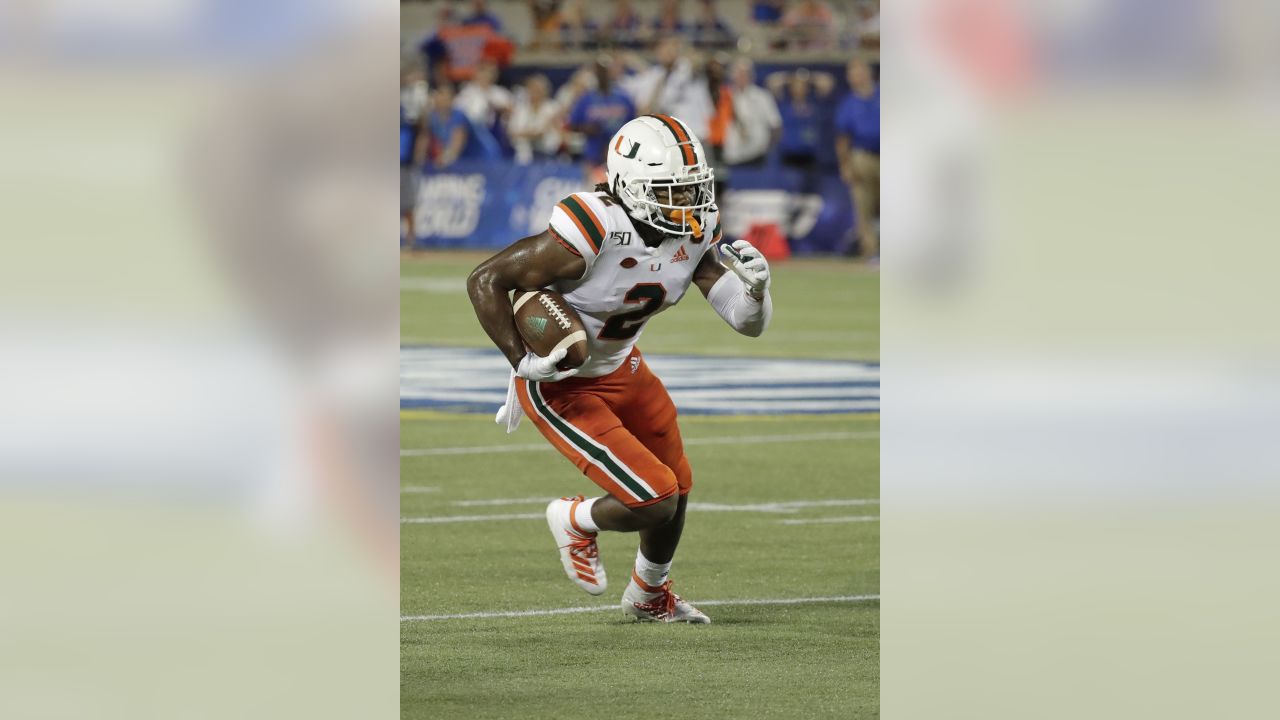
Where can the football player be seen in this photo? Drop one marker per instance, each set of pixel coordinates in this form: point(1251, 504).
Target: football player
point(620, 255)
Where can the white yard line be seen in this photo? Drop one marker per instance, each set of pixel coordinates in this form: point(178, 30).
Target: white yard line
point(774, 507)
point(725, 440)
point(845, 519)
point(603, 608)
point(419, 489)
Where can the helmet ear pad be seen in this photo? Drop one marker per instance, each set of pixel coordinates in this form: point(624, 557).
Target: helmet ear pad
point(619, 190)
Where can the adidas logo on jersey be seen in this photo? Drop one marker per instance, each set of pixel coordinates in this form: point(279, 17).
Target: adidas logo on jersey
point(680, 255)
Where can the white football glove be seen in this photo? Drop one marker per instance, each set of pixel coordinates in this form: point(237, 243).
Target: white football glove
point(543, 369)
point(749, 264)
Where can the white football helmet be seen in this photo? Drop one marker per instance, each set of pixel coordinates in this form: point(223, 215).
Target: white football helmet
point(659, 171)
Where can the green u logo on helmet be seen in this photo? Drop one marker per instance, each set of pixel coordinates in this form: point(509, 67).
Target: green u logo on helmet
point(631, 154)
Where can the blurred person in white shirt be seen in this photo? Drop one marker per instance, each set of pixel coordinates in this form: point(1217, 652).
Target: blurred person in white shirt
point(536, 121)
point(482, 100)
point(865, 24)
point(672, 86)
point(756, 123)
point(413, 139)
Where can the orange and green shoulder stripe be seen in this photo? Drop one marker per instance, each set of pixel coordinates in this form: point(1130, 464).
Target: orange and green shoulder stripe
point(585, 219)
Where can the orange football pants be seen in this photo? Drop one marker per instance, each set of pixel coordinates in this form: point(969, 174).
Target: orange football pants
point(619, 430)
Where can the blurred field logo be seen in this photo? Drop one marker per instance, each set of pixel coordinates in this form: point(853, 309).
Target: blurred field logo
point(449, 205)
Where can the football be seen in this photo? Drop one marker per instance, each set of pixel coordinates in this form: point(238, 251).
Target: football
point(547, 323)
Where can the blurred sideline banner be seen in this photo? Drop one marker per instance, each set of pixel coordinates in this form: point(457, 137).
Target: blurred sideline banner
point(490, 205)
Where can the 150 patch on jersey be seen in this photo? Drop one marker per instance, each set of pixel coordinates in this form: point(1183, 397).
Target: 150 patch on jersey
point(622, 236)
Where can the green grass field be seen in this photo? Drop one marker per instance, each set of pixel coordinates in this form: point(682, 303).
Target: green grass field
point(802, 660)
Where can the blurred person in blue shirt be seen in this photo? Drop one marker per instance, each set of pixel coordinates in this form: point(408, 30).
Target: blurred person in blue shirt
point(480, 15)
point(858, 149)
point(768, 12)
point(803, 111)
point(448, 129)
point(599, 113)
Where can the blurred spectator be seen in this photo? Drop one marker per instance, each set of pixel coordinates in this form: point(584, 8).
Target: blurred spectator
point(858, 148)
point(434, 48)
point(413, 112)
point(480, 15)
point(413, 93)
point(577, 29)
point(580, 83)
point(801, 122)
point(448, 129)
point(671, 87)
point(624, 27)
point(866, 24)
point(455, 49)
point(720, 96)
point(482, 100)
point(534, 127)
point(668, 22)
point(804, 113)
point(599, 113)
point(767, 12)
point(546, 19)
point(809, 25)
point(710, 30)
point(756, 124)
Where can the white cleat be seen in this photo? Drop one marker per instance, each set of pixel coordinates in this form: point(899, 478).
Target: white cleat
point(579, 553)
point(660, 605)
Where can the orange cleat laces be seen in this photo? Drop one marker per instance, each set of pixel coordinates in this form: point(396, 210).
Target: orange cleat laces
point(664, 605)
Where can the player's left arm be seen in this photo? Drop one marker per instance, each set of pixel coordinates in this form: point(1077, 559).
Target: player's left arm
point(739, 293)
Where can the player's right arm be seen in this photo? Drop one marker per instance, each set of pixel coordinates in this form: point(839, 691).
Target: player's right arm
point(740, 297)
point(529, 264)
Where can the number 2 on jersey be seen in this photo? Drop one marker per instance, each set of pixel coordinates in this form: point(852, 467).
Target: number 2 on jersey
point(624, 326)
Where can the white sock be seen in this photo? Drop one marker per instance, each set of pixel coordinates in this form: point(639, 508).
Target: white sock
point(582, 515)
point(651, 573)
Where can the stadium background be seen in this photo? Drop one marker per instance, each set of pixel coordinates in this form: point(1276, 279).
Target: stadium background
point(489, 195)
point(782, 430)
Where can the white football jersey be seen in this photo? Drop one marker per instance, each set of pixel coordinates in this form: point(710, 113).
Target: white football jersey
point(626, 282)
